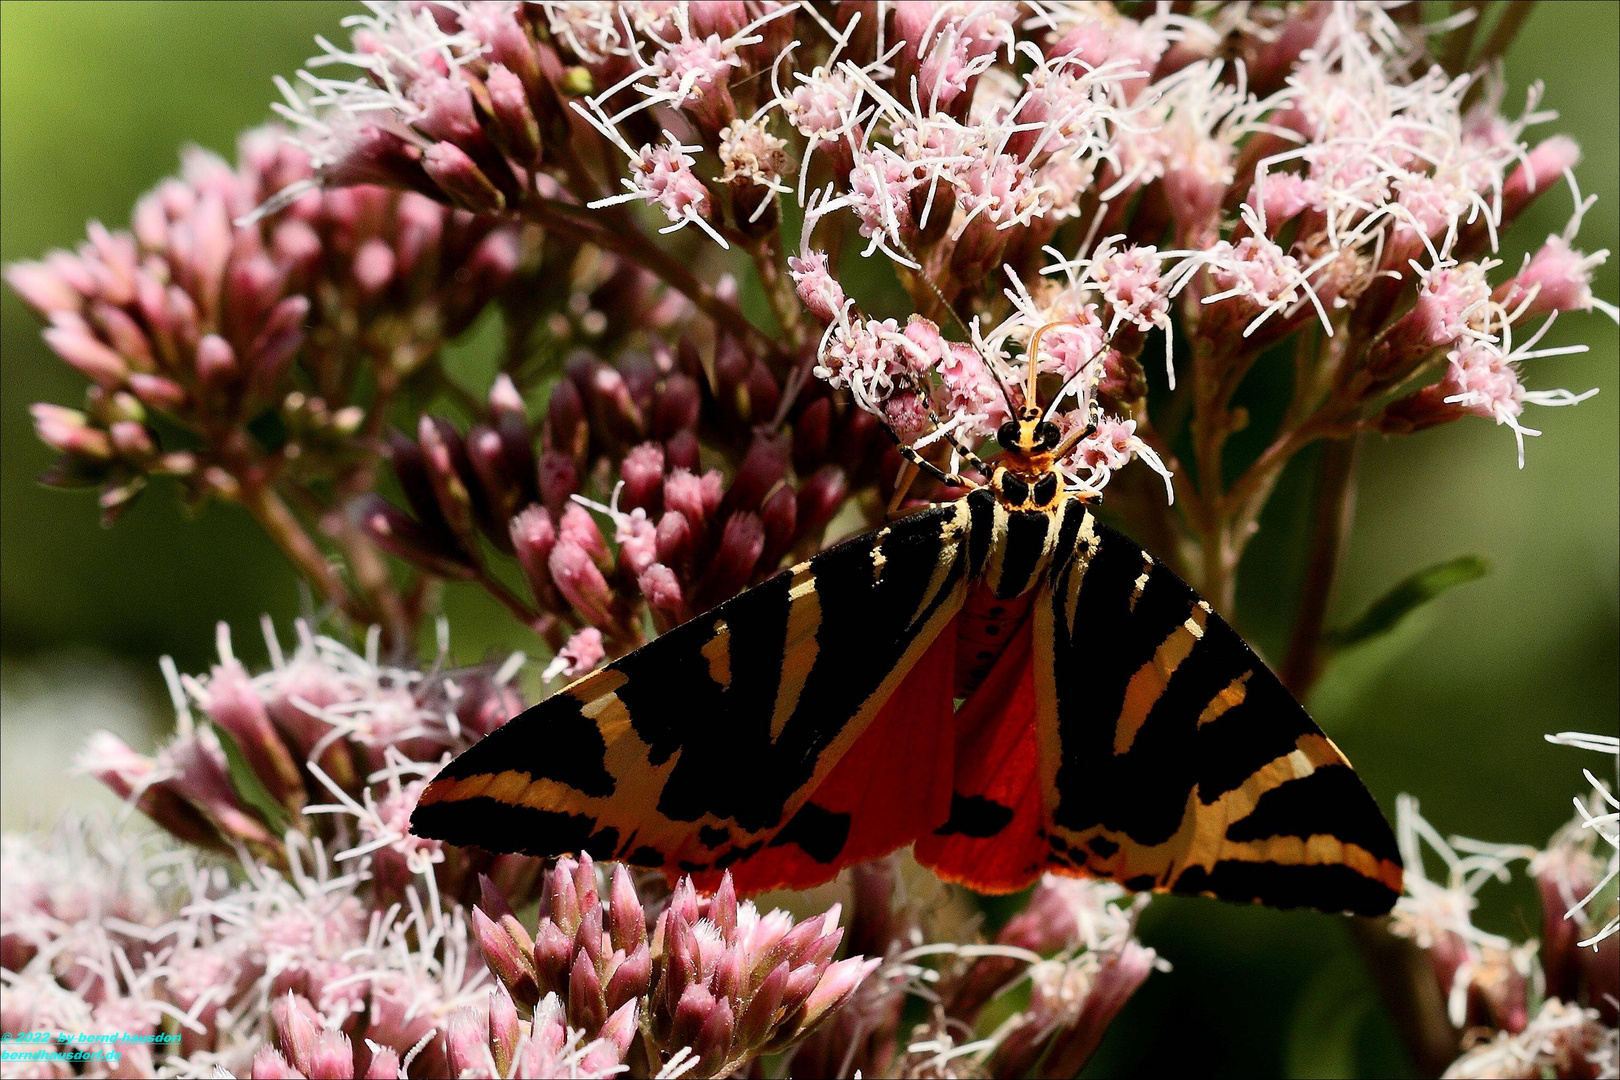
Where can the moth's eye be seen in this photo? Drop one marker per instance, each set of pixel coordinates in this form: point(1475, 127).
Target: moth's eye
point(1007, 435)
point(1048, 435)
point(1015, 489)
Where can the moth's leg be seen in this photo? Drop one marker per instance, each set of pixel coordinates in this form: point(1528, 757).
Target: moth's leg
point(966, 454)
point(902, 484)
point(952, 479)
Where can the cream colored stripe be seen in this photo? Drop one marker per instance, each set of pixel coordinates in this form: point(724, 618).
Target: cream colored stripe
point(800, 649)
point(1225, 701)
point(718, 652)
point(1147, 685)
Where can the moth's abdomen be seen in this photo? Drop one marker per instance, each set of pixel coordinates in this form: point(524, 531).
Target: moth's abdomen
point(983, 629)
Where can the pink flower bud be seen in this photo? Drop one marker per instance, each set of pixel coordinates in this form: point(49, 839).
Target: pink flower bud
point(579, 527)
point(158, 392)
point(836, 986)
point(466, 1044)
point(662, 590)
point(504, 399)
point(819, 498)
point(620, 1028)
point(581, 583)
point(553, 956)
point(565, 413)
point(401, 536)
point(741, 545)
point(268, 1064)
point(686, 494)
point(272, 352)
point(384, 1064)
point(581, 654)
point(134, 778)
point(587, 1008)
point(69, 431)
point(125, 334)
point(462, 182)
point(780, 516)
point(643, 474)
point(516, 129)
point(72, 341)
point(332, 1056)
point(612, 401)
point(201, 775)
point(676, 405)
point(762, 469)
point(819, 292)
point(713, 1042)
point(373, 266)
point(508, 957)
point(559, 479)
point(1543, 169)
point(1556, 279)
point(216, 361)
point(296, 248)
point(237, 709)
point(533, 537)
point(296, 1027)
point(43, 287)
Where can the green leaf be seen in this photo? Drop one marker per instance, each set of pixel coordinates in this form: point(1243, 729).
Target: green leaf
point(250, 787)
point(1385, 613)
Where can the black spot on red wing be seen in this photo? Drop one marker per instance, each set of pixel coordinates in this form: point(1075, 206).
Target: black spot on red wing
point(712, 837)
point(1329, 887)
point(553, 741)
point(820, 833)
point(497, 826)
point(975, 816)
point(1103, 846)
point(729, 766)
point(737, 855)
point(1140, 883)
point(1330, 801)
point(645, 856)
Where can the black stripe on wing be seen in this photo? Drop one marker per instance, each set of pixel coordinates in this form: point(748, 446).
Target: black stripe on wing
point(1175, 760)
point(701, 744)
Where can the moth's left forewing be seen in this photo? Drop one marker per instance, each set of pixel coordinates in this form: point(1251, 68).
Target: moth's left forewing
point(1170, 757)
point(694, 752)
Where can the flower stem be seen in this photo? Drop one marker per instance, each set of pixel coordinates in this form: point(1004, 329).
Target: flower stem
point(625, 239)
point(1334, 508)
point(283, 526)
point(1407, 985)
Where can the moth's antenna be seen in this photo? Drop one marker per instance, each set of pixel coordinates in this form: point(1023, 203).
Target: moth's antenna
point(1102, 350)
point(1033, 355)
point(961, 324)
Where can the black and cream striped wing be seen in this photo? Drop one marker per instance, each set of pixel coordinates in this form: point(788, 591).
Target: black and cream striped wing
point(693, 752)
point(1172, 759)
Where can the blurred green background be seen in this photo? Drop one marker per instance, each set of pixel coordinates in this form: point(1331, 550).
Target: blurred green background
point(97, 99)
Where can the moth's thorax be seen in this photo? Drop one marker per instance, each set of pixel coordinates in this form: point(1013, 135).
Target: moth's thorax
point(1023, 538)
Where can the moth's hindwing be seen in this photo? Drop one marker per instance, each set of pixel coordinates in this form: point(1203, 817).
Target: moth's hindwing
point(1172, 759)
point(702, 750)
point(993, 839)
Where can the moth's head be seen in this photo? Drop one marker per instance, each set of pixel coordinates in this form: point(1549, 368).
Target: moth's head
point(1027, 438)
